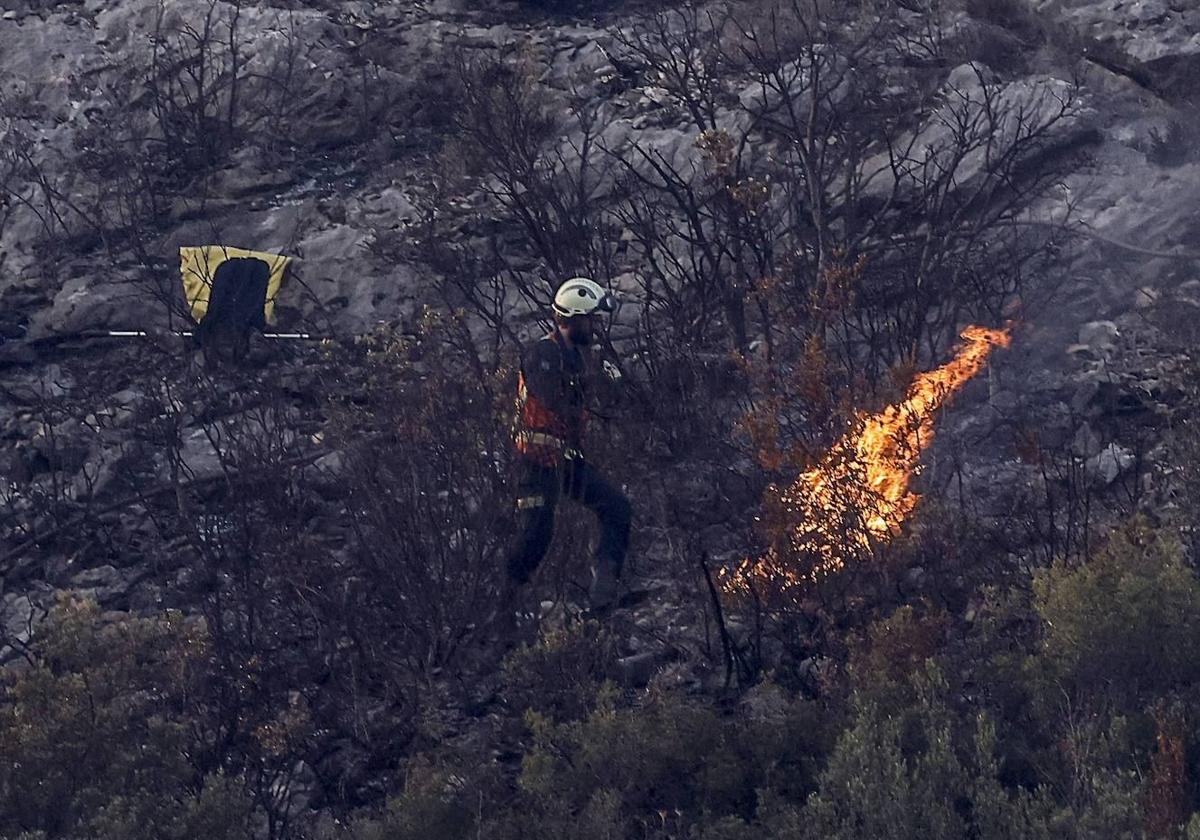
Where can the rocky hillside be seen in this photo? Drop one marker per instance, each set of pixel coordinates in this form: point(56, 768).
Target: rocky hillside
point(434, 167)
point(342, 103)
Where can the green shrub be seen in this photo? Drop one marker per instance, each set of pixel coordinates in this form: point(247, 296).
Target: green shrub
point(667, 756)
point(1124, 625)
point(931, 772)
point(560, 674)
point(670, 768)
point(875, 787)
point(220, 810)
point(435, 805)
point(98, 737)
point(890, 651)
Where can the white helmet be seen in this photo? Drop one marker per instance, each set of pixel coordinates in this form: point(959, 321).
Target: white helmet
point(581, 296)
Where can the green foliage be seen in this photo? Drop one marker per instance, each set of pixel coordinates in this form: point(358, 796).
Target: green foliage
point(433, 806)
point(912, 756)
point(1081, 673)
point(102, 735)
point(221, 810)
point(929, 772)
point(560, 674)
point(999, 813)
point(875, 786)
point(98, 736)
point(1125, 624)
point(665, 757)
point(890, 650)
point(670, 765)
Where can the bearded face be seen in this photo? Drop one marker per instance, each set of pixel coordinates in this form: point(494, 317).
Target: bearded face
point(580, 330)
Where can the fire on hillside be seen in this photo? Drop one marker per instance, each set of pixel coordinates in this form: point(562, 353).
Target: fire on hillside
point(857, 496)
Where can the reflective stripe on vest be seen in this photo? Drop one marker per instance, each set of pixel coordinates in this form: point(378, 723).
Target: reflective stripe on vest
point(538, 432)
point(526, 439)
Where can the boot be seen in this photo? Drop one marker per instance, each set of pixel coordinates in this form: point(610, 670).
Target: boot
point(602, 595)
point(504, 617)
point(513, 622)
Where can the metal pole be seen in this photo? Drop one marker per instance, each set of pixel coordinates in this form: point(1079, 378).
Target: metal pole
point(145, 334)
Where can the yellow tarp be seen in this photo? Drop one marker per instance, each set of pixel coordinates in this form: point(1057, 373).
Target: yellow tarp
point(198, 265)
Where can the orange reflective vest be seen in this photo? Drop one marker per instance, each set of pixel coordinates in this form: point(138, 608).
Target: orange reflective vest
point(541, 434)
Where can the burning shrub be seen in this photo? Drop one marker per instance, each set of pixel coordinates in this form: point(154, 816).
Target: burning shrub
point(837, 514)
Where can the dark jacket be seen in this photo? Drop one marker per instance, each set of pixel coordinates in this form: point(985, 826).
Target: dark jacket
point(552, 397)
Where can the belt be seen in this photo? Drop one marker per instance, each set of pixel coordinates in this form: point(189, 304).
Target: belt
point(526, 439)
point(539, 439)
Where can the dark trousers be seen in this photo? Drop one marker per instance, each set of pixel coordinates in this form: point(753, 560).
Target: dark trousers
point(538, 493)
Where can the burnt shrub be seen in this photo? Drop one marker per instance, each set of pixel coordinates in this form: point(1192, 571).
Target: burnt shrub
point(425, 472)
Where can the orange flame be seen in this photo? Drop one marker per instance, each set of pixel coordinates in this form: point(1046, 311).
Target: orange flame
point(858, 496)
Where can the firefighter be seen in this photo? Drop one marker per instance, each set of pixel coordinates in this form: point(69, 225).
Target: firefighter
point(552, 410)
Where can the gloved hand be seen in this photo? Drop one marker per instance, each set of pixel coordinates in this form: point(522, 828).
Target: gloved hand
point(611, 371)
